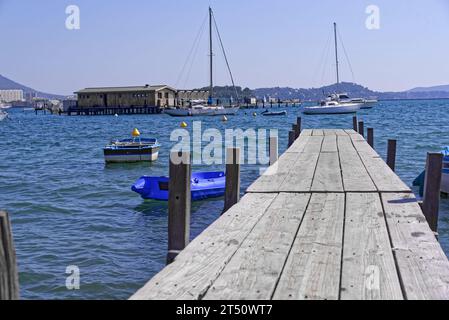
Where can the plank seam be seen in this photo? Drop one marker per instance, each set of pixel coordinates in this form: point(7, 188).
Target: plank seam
point(342, 249)
point(291, 248)
point(396, 263)
point(211, 283)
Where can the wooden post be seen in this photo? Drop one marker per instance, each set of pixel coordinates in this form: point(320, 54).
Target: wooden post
point(432, 187)
point(354, 123)
point(295, 129)
point(391, 154)
point(371, 137)
point(179, 201)
point(299, 123)
point(274, 150)
point(362, 129)
point(232, 193)
point(9, 279)
point(291, 138)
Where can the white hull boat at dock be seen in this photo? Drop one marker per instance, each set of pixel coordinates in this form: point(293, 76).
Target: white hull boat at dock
point(333, 108)
point(201, 110)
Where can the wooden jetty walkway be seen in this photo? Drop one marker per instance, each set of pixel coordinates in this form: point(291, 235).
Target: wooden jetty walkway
point(329, 220)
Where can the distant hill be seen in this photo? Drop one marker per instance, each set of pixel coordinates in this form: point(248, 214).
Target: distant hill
point(443, 88)
point(7, 84)
point(352, 89)
point(285, 93)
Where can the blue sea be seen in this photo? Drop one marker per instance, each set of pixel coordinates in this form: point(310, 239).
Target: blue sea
point(70, 209)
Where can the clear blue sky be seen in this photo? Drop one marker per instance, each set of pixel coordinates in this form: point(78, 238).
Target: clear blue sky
point(269, 43)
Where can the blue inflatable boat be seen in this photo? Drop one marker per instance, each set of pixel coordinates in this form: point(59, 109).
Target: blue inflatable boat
point(204, 185)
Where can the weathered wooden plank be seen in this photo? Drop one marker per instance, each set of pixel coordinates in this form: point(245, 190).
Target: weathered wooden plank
point(254, 270)
point(363, 147)
point(201, 262)
point(275, 175)
point(383, 177)
point(312, 270)
point(340, 132)
point(368, 269)
point(9, 279)
point(299, 144)
point(300, 176)
point(232, 191)
point(354, 174)
point(328, 174)
point(318, 132)
point(329, 132)
point(306, 132)
point(314, 144)
point(179, 203)
point(351, 132)
point(422, 264)
point(329, 144)
point(355, 136)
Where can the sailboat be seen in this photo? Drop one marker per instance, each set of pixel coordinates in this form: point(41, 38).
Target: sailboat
point(208, 108)
point(336, 103)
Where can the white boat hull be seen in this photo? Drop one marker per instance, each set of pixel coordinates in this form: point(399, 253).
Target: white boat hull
point(339, 109)
point(188, 112)
point(226, 111)
point(205, 111)
point(445, 183)
point(131, 158)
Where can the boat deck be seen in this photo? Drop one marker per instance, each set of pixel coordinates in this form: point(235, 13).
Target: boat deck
point(329, 220)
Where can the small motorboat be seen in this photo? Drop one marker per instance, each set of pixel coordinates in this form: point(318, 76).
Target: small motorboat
point(419, 181)
point(132, 150)
point(204, 185)
point(274, 113)
point(332, 107)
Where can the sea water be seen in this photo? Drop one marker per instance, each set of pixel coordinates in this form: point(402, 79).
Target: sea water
point(69, 209)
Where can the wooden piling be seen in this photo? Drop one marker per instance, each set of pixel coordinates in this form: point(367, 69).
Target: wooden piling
point(9, 279)
point(370, 133)
point(354, 123)
point(299, 124)
point(291, 138)
point(232, 191)
point(391, 154)
point(432, 187)
point(274, 150)
point(179, 203)
point(362, 129)
point(295, 129)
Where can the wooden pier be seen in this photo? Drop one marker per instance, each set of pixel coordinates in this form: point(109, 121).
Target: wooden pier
point(113, 111)
point(329, 220)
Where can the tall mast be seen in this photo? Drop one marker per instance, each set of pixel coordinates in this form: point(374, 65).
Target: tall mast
point(211, 88)
point(336, 52)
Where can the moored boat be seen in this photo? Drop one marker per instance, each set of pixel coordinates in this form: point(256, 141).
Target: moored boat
point(132, 150)
point(204, 185)
point(332, 107)
point(198, 110)
point(419, 181)
point(274, 113)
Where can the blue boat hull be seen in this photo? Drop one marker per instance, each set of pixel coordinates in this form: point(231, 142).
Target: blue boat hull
point(204, 185)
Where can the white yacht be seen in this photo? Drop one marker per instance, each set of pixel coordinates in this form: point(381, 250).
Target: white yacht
point(194, 110)
point(332, 107)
